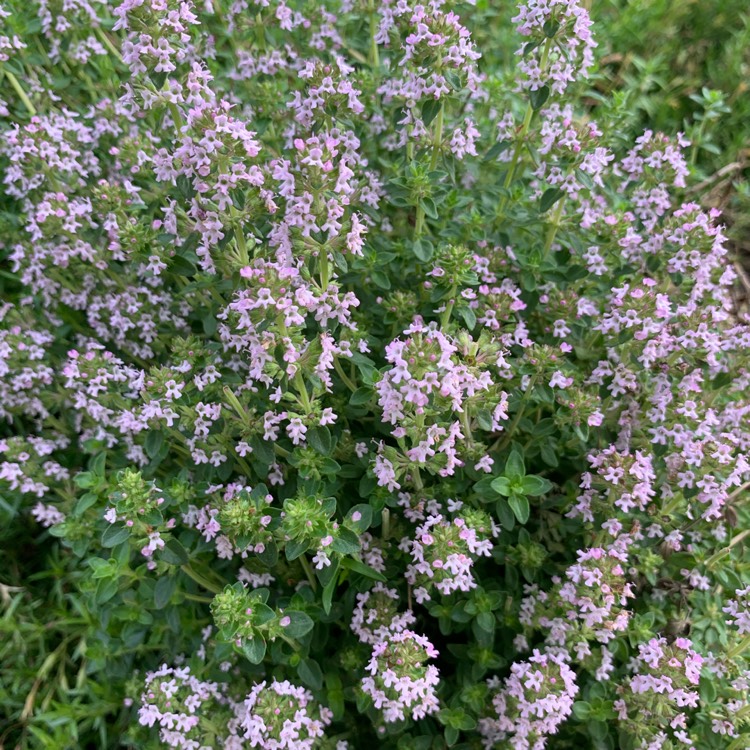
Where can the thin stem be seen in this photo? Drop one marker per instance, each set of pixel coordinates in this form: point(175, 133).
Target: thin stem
point(283, 452)
point(179, 447)
point(239, 237)
point(553, 227)
point(243, 465)
point(738, 491)
point(260, 32)
point(235, 402)
point(446, 316)
point(386, 523)
point(503, 441)
point(726, 550)
point(290, 641)
point(521, 139)
point(21, 93)
point(739, 648)
point(325, 271)
point(416, 477)
point(374, 55)
point(466, 424)
point(438, 136)
point(308, 572)
point(199, 579)
point(340, 370)
point(299, 384)
point(175, 115)
point(510, 174)
point(196, 598)
point(419, 223)
point(107, 42)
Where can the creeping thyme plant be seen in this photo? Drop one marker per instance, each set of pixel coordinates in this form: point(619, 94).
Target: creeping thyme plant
point(361, 385)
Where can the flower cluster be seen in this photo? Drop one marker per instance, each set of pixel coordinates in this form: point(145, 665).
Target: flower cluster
point(654, 700)
point(531, 702)
point(182, 706)
point(376, 615)
point(443, 552)
point(399, 682)
point(738, 610)
point(282, 716)
point(589, 603)
point(560, 45)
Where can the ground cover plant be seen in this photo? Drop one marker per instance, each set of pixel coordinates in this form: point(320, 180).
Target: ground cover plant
point(371, 374)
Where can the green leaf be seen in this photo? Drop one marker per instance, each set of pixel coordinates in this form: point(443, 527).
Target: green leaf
point(328, 591)
point(451, 736)
point(359, 518)
point(345, 542)
point(115, 534)
point(485, 491)
point(105, 590)
point(469, 317)
point(319, 438)
point(163, 591)
point(430, 109)
point(520, 507)
point(429, 208)
point(262, 450)
point(186, 189)
point(501, 485)
point(270, 555)
point(340, 261)
point(581, 710)
point(582, 432)
point(551, 27)
point(539, 97)
point(102, 568)
point(486, 621)
point(379, 278)
point(423, 249)
point(452, 78)
point(262, 613)
point(84, 503)
point(85, 480)
point(329, 467)
point(549, 198)
point(514, 467)
point(254, 649)
point(154, 441)
point(484, 419)
point(549, 454)
point(544, 428)
point(174, 553)
point(310, 673)
point(158, 79)
point(536, 486)
point(707, 691)
point(496, 149)
point(357, 566)
point(182, 266)
point(295, 548)
point(96, 465)
point(360, 397)
point(505, 514)
point(468, 723)
point(300, 623)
